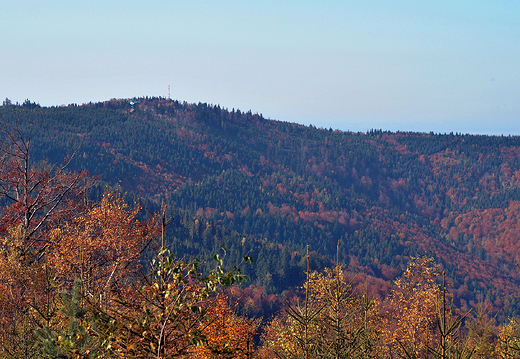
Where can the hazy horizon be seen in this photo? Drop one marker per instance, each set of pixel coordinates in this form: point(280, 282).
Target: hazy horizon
point(401, 65)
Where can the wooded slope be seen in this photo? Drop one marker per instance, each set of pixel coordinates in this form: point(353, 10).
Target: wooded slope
point(269, 188)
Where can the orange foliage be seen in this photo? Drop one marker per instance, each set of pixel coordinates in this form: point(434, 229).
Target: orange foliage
point(226, 334)
point(99, 247)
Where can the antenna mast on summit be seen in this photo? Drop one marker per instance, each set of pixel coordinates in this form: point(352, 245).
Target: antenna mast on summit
point(169, 92)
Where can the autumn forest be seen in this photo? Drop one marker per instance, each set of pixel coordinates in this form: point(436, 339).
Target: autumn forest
point(153, 228)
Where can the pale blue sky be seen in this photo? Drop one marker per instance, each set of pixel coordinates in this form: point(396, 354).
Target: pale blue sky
point(437, 66)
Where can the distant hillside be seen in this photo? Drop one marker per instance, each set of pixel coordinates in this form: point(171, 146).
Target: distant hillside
point(270, 188)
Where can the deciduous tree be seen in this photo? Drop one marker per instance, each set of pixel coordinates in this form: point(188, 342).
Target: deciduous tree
point(100, 247)
point(37, 198)
point(39, 195)
point(412, 308)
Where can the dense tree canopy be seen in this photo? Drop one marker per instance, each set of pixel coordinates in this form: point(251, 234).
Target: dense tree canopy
point(268, 188)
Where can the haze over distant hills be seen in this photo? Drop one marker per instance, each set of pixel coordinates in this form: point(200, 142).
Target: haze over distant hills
point(270, 188)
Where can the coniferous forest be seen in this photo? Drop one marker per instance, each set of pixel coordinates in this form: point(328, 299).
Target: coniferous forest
point(149, 227)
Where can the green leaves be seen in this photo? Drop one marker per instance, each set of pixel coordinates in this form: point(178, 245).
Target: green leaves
point(165, 317)
point(71, 339)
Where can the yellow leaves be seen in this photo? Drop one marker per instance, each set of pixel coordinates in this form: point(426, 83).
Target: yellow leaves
point(413, 305)
point(332, 322)
point(279, 336)
point(337, 322)
point(508, 344)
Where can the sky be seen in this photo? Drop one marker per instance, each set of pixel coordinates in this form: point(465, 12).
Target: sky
point(441, 66)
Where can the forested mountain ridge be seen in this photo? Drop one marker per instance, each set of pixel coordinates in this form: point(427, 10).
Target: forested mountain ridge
point(269, 188)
